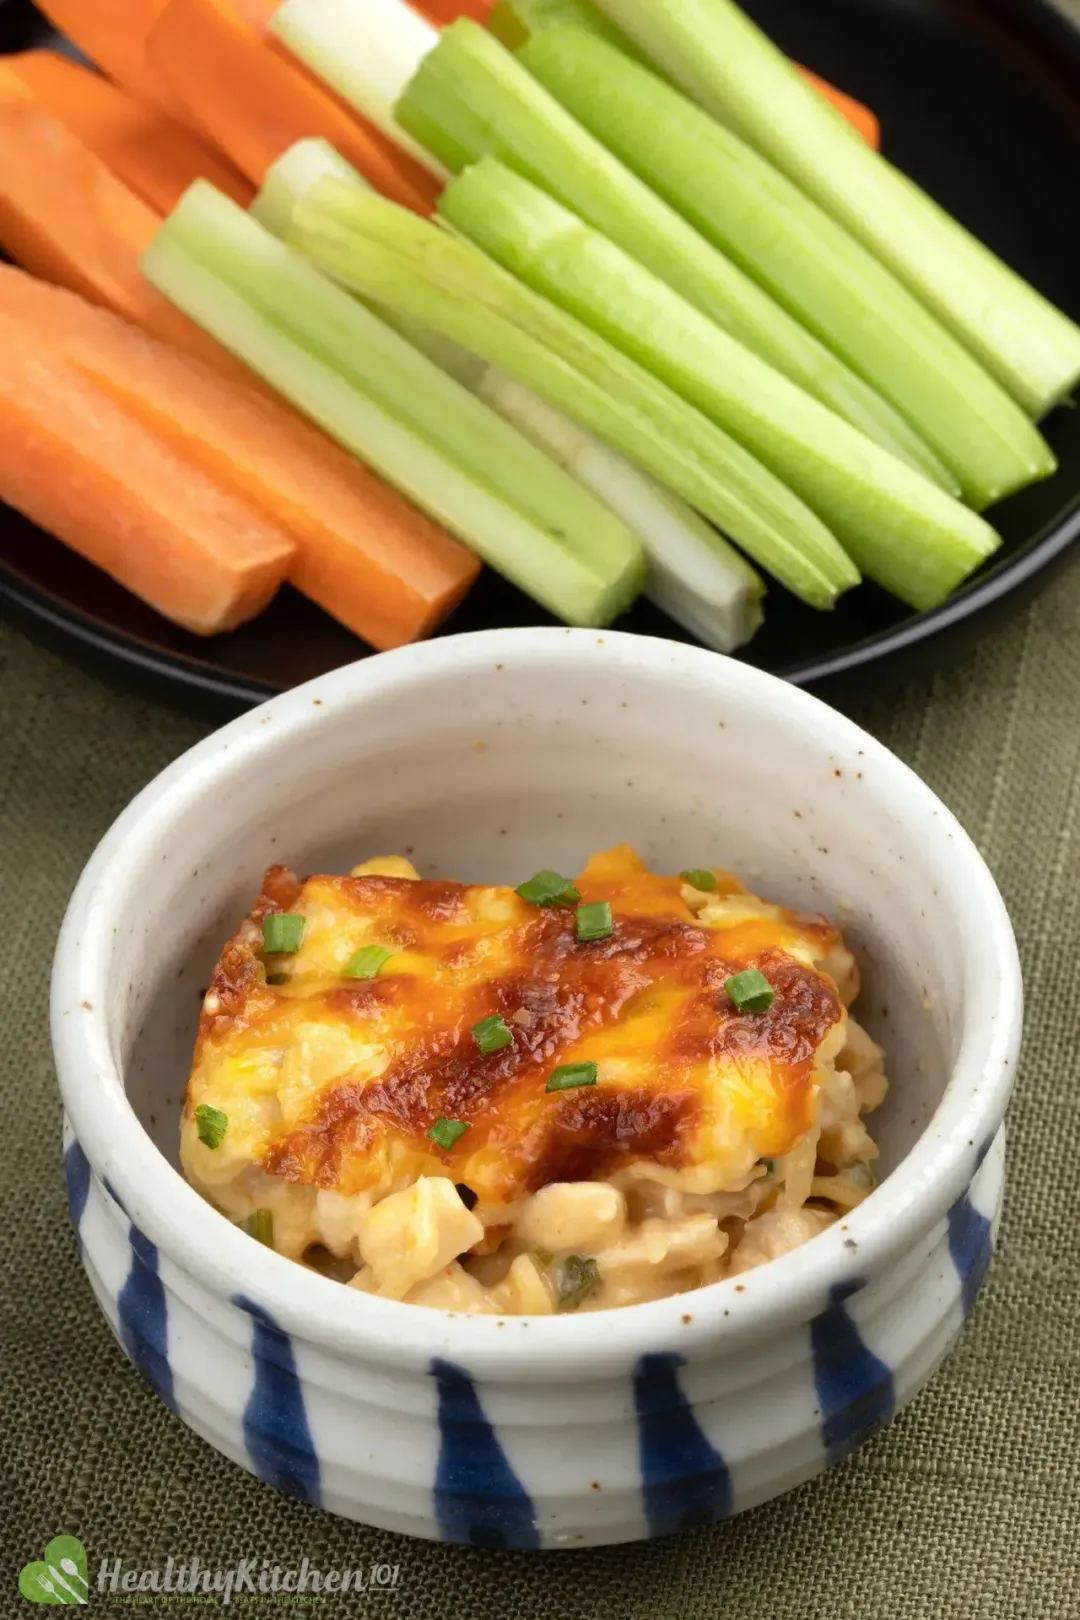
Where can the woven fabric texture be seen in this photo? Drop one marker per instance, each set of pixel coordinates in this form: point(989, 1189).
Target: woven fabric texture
point(966, 1508)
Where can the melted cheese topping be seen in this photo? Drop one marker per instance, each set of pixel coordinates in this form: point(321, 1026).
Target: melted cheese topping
point(331, 1083)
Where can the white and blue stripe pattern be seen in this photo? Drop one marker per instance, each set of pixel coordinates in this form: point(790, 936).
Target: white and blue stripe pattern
point(487, 1484)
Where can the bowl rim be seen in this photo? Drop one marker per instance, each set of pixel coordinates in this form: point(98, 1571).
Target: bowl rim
point(724, 1315)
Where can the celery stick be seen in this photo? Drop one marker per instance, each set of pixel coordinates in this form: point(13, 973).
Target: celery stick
point(291, 176)
point(723, 61)
point(471, 97)
point(391, 257)
point(388, 38)
point(798, 252)
point(514, 21)
point(393, 408)
point(903, 531)
point(694, 574)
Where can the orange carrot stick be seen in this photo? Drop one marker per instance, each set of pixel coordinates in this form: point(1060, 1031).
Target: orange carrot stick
point(142, 145)
point(443, 12)
point(254, 102)
point(858, 116)
point(112, 33)
point(66, 217)
point(77, 465)
point(364, 553)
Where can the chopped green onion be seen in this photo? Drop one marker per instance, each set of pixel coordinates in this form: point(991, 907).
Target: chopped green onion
point(548, 889)
point(211, 1125)
point(578, 1278)
point(568, 1076)
point(594, 921)
point(750, 991)
point(282, 932)
point(366, 962)
point(260, 1226)
point(491, 1034)
point(699, 878)
point(445, 1132)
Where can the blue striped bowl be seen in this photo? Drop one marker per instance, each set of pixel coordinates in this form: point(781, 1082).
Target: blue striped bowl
point(542, 1432)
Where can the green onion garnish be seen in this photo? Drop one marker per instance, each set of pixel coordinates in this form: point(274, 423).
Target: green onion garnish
point(578, 1278)
point(698, 878)
point(750, 991)
point(211, 1125)
point(570, 1075)
point(260, 1226)
point(282, 932)
point(491, 1034)
point(445, 1132)
point(548, 889)
point(594, 920)
point(367, 961)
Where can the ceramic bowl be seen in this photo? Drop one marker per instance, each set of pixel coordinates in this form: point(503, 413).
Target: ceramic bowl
point(486, 756)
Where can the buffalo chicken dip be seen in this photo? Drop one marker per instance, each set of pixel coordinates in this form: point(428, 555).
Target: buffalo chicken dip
point(569, 1095)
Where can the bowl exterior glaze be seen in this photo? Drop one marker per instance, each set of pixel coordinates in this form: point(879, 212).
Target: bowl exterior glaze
point(443, 1453)
point(491, 755)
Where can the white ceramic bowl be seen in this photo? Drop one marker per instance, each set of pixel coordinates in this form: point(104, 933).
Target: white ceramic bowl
point(489, 756)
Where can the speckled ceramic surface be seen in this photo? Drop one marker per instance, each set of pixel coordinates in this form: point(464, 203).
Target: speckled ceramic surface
point(485, 755)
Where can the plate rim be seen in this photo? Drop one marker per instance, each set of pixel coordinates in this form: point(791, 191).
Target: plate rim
point(94, 636)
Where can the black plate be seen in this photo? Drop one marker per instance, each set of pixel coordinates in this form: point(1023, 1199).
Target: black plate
point(980, 102)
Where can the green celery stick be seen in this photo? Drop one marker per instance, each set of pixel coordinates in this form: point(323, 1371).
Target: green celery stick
point(694, 574)
point(470, 97)
point(903, 532)
point(514, 21)
point(808, 262)
point(393, 258)
point(713, 51)
point(388, 404)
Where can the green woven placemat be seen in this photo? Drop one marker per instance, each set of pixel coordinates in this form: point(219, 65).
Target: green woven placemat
point(966, 1508)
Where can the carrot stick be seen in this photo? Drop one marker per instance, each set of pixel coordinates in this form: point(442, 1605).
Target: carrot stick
point(442, 12)
point(142, 145)
point(364, 553)
point(66, 217)
point(112, 33)
point(77, 465)
point(858, 116)
point(254, 103)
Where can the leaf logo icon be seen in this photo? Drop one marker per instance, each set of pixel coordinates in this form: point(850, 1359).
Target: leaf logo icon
point(59, 1577)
